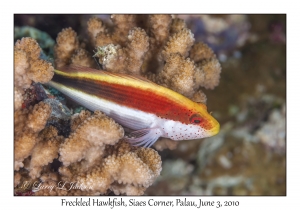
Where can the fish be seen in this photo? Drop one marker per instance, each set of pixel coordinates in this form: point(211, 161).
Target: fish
point(148, 110)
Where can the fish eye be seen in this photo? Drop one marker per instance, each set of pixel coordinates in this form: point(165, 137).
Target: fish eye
point(195, 119)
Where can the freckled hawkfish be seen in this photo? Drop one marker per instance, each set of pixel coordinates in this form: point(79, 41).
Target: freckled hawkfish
point(149, 110)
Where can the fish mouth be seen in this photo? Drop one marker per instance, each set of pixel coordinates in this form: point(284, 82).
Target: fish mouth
point(215, 130)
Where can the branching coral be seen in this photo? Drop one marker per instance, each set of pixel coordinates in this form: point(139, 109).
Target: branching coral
point(178, 74)
point(96, 130)
point(34, 145)
point(128, 59)
point(154, 46)
point(181, 42)
point(45, 151)
point(117, 169)
point(99, 33)
point(161, 54)
point(66, 44)
point(28, 68)
point(91, 157)
point(95, 26)
point(68, 50)
point(28, 124)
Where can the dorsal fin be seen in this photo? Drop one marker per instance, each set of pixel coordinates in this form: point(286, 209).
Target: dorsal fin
point(77, 68)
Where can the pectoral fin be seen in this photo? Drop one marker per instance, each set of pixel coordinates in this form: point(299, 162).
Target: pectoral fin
point(144, 137)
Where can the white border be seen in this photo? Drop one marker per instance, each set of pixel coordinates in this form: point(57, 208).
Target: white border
point(153, 6)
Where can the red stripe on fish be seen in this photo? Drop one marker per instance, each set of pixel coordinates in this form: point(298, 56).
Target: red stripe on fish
point(144, 100)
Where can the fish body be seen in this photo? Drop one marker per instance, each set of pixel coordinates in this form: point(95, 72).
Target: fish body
point(150, 110)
